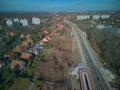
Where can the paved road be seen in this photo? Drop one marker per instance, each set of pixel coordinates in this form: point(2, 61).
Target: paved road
point(99, 82)
point(31, 86)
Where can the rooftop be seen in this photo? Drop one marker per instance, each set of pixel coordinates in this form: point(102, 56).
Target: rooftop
point(16, 62)
point(24, 43)
point(25, 55)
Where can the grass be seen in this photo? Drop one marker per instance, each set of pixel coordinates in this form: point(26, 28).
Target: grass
point(41, 55)
point(20, 84)
point(48, 45)
point(37, 85)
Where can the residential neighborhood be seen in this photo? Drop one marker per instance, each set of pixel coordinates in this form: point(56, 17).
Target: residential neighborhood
point(59, 44)
point(21, 56)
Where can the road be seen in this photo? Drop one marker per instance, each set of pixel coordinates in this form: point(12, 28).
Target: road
point(31, 86)
point(91, 61)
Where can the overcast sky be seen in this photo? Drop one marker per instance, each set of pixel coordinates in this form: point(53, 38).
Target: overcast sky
point(59, 5)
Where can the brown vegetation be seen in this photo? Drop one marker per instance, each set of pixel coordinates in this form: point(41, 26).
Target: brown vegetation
point(107, 45)
point(49, 87)
point(57, 61)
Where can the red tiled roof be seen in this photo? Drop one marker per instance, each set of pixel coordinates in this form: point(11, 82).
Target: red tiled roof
point(25, 55)
point(45, 31)
point(60, 25)
point(47, 38)
point(16, 62)
point(41, 42)
point(24, 43)
point(29, 40)
point(11, 54)
point(17, 48)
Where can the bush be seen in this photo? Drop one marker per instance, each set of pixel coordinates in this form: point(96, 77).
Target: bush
point(48, 45)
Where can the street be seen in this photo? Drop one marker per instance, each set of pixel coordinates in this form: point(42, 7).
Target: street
point(99, 81)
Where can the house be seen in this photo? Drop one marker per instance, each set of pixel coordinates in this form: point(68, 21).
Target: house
point(41, 42)
point(25, 55)
point(24, 22)
point(11, 54)
point(45, 31)
point(35, 21)
point(46, 39)
point(24, 43)
point(22, 35)
point(38, 47)
point(33, 51)
point(29, 40)
point(60, 25)
point(17, 48)
point(19, 63)
point(9, 22)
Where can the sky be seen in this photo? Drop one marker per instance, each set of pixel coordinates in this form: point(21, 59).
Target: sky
point(59, 5)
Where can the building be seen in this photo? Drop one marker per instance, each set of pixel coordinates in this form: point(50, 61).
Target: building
point(35, 21)
point(25, 55)
point(11, 54)
point(24, 22)
point(29, 40)
point(24, 43)
point(38, 47)
point(45, 31)
point(83, 17)
point(96, 17)
point(9, 22)
point(16, 22)
point(34, 51)
point(19, 63)
point(17, 48)
point(41, 42)
point(85, 80)
point(46, 39)
point(60, 25)
point(105, 16)
point(22, 36)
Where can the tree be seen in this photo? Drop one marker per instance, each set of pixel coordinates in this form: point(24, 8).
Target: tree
point(6, 73)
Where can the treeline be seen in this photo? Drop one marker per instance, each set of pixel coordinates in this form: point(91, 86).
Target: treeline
point(107, 41)
point(109, 45)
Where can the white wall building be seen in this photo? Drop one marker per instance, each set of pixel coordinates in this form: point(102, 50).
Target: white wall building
point(24, 22)
point(83, 17)
point(105, 16)
point(35, 21)
point(9, 22)
point(96, 17)
point(16, 20)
